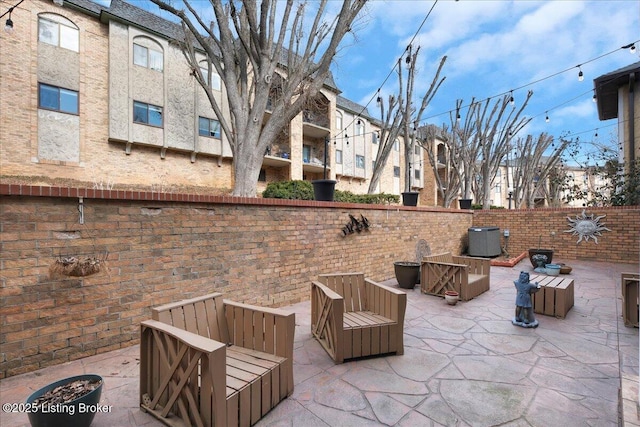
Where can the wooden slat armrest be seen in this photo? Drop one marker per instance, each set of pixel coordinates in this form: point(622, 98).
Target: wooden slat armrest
point(385, 288)
point(326, 290)
point(476, 265)
point(275, 311)
point(357, 273)
point(182, 303)
point(327, 316)
point(450, 264)
point(279, 327)
point(195, 341)
point(387, 302)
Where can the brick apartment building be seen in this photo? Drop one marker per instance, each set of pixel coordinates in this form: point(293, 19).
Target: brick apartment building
point(98, 96)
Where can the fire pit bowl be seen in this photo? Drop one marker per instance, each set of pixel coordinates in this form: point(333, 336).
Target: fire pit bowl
point(71, 402)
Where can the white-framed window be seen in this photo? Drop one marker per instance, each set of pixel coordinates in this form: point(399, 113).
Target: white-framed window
point(208, 127)
point(214, 81)
point(148, 58)
point(416, 174)
point(339, 121)
point(396, 171)
point(396, 146)
point(359, 127)
point(339, 157)
point(374, 137)
point(147, 114)
point(359, 161)
point(62, 34)
point(57, 99)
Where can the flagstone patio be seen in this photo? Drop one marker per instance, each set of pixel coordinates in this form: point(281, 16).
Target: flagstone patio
point(464, 365)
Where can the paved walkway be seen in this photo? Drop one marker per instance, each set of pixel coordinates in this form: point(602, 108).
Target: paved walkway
point(464, 365)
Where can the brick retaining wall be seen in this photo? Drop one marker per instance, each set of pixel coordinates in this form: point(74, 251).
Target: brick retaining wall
point(529, 226)
point(166, 247)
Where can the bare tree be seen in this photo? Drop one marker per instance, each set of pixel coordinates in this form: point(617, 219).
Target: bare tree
point(247, 47)
point(401, 118)
point(494, 132)
point(389, 131)
point(446, 175)
point(530, 168)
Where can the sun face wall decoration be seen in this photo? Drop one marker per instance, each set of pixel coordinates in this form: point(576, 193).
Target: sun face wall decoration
point(586, 226)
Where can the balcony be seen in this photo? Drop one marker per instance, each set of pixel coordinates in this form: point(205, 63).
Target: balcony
point(277, 158)
point(315, 125)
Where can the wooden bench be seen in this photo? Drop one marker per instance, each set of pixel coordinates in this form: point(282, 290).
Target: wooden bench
point(212, 362)
point(469, 276)
point(355, 317)
point(555, 297)
point(629, 283)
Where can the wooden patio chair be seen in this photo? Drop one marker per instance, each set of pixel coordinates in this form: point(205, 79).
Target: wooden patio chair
point(212, 362)
point(355, 317)
point(630, 283)
point(469, 276)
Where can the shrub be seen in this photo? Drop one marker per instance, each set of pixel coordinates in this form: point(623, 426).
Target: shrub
point(303, 190)
point(294, 190)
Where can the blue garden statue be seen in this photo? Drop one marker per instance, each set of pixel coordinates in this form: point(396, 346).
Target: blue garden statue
point(524, 307)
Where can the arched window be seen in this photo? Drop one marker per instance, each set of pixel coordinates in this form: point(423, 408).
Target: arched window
point(148, 53)
point(58, 31)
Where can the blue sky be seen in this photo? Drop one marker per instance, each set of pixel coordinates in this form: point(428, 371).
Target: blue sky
point(493, 47)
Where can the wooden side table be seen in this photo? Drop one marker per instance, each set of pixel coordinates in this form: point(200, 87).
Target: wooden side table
point(630, 283)
point(555, 297)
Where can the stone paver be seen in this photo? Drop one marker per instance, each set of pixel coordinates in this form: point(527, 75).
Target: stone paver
point(464, 365)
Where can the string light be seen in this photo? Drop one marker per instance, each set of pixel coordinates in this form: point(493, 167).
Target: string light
point(415, 35)
point(594, 98)
point(8, 26)
point(580, 74)
point(511, 100)
point(542, 78)
point(631, 47)
point(546, 119)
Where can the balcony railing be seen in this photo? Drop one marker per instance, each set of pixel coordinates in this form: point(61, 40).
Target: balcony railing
point(315, 119)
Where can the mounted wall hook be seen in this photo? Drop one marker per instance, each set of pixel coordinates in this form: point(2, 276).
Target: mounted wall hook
point(81, 209)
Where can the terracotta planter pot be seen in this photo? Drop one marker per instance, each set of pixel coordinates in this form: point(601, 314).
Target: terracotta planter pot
point(451, 297)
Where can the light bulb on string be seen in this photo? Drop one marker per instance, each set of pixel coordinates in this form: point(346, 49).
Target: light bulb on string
point(8, 27)
point(546, 119)
point(632, 49)
point(580, 74)
point(511, 100)
point(594, 98)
